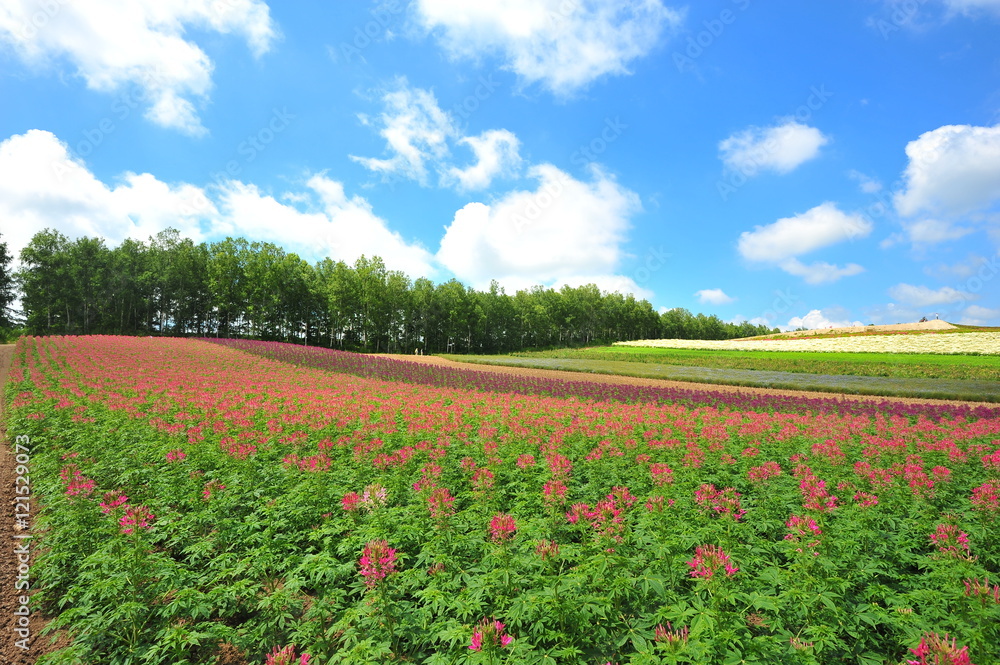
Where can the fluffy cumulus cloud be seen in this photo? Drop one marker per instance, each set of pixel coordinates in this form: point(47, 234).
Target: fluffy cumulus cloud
point(43, 186)
point(145, 43)
point(782, 242)
point(922, 296)
point(496, 153)
point(781, 148)
point(952, 175)
point(818, 319)
point(419, 136)
point(336, 226)
point(561, 45)
point(562, 231)
point(975, 315)
point(714, 297)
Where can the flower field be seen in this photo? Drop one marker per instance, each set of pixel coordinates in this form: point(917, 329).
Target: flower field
point(987, 343)
point(204, 504)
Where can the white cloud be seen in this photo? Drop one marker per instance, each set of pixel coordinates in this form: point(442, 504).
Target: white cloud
point(953, 171)
point(714, 297)
point(418, 134)
point(781, 148)
point(143, 42)
point(496, 154)
point(922, 296)
point(866, 183)
point(564, 227)
point(783, 241)
point(415, 130)
point(562, 45)
point(819, 272)
point(42, 186)
point(818, 319)
point(933, 231)
point(975, 315)
point(341, 228)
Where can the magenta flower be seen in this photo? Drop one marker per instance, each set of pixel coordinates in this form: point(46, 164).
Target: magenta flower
point(350, 502)
point(986, 497)
point(949, 540)
point(764, 472)
point(936, 650)
point(554, 493)
point(722, 502)
point(286, 656)
point(866, 500)
point(176, 455)
point(440, 503)
point(136, 517)
point(489, 634)
point(112, 500)
point(662, 474)
point(377, 562)
point(710, 559)
point(502, 527)
point(801, 527)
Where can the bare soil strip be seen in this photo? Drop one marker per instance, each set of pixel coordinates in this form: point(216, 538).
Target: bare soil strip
point(662, 383)
point(10, 652)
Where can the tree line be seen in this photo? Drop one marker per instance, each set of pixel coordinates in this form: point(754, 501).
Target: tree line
point(237, 288)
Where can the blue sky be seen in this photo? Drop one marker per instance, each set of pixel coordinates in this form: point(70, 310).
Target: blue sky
point(785, 162)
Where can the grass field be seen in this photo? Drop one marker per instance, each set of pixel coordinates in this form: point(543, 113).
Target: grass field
point(935, 388)
point(907, 366)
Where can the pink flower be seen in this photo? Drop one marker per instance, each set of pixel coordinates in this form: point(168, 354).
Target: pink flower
point(982, 590)
point(441, 504)
point(489, 635)
point(936, 650)
point(547, 549)
point(135, 517)
point(866, 500)
point(950, 540)
point(285, 656)
point(374, 497)
point(350, 501)
point(722, 502)
point(708, 560)
point(377, 562)
point(986, 497)
point(525, 461)
point(502, 527)
point(671, 637)
point(554, 493)
point(764, 472)
point(576, 511)
point(176, 455)
point(801, 527)
point(662, 474)
point(112, 500)
point(211, 488)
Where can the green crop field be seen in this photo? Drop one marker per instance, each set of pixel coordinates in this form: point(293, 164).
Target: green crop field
point(909, 365)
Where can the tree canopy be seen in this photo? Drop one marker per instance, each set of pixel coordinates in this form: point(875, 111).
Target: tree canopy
point(238, 288)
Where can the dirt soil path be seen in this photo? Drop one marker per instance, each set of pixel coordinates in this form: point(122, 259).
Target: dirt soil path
point(10, 652)
point(662, 383)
